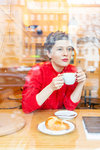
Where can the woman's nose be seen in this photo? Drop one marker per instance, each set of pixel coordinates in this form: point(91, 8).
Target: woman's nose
point(65, 52)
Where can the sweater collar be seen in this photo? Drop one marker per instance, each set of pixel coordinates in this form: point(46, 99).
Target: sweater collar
point(57, 71)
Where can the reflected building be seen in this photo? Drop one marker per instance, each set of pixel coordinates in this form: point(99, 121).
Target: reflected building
point(11, 35)
point(25, 25)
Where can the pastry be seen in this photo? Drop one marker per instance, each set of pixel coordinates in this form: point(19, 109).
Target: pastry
point(54, 123)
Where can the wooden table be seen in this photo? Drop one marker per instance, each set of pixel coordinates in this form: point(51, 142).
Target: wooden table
point(29, 138)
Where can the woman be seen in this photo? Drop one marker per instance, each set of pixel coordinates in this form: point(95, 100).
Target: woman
point(45, 87)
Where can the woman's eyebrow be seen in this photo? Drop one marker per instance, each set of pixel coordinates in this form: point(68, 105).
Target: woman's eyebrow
point(69, 46)
point(59, 47)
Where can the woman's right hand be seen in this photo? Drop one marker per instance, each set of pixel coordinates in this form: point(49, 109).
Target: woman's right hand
point(57, 82)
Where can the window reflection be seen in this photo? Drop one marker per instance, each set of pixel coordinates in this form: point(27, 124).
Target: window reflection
point(21, 45)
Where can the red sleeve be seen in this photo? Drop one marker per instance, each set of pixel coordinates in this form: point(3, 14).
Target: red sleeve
point(68, 103)
point(31, 88)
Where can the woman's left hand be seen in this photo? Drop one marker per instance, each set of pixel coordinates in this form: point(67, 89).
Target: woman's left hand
point(80, 76)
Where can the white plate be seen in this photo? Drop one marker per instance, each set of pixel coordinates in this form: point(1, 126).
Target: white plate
point(43, 129)
point(66, 114)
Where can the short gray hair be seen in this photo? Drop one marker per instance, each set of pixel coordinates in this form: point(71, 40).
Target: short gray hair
point(53, 37)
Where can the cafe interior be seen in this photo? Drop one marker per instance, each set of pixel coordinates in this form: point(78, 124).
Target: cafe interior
point(24, 26)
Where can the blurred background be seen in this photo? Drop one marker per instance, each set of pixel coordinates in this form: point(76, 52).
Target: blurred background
point(24, 25)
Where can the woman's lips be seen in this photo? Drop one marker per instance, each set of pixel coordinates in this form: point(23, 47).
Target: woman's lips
point(65, 59)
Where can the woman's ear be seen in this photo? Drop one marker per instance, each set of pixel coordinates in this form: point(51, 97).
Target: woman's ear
point(48, 54)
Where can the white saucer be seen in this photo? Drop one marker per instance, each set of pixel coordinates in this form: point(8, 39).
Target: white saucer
point(43, 129)
point(66, 114)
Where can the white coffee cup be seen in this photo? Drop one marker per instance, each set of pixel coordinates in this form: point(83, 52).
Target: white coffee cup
point(69, 78)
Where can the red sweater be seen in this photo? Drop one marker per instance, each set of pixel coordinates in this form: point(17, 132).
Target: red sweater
point(37, 79)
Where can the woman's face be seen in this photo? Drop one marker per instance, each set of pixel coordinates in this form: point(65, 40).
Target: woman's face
point(60, 54)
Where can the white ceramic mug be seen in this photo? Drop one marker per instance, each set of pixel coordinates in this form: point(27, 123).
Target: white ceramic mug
point(69, 78)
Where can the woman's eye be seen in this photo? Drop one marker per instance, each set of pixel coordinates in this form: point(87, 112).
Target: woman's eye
point(59, 49)
point(69, 48)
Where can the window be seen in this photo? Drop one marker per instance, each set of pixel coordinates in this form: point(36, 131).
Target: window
point(26, 17)
point(32, 39)
point(33, 5)
point(64, 17)
point(56, 17)
point(64, 28)
point(45, 5)
point(45, 17)
point(32, 17)
point(38, 17)
point(53, 5)
point(26, 39)
point(26, 50)
point(39, 40)
point(44, 39)
point(51, 28)
point(57, 27)
point(51, 17)
point(3, 2)
point(45, 28)
point(61, 5)
point(15, 2)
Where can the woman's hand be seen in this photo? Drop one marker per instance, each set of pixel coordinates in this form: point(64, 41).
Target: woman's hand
point(57, 82)
point(80, 76)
